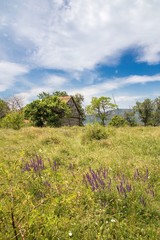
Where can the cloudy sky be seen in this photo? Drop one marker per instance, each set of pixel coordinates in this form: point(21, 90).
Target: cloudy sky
point(93, 47)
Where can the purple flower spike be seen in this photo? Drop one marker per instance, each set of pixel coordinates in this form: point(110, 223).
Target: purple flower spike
point(128, 187)
point(36, 164)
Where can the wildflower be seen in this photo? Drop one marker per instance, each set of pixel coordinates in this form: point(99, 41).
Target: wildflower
point(70, 234)
point(113, 220)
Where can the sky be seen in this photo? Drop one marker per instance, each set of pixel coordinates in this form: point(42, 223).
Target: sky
point(94, 47)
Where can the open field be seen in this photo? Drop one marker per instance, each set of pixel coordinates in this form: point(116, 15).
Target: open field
point(59, 184)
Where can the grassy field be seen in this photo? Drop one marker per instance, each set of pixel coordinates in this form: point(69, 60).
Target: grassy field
point(65, 184)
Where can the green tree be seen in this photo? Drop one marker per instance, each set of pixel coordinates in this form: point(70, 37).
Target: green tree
point(43, 95)
point(130, 118)
point(118, 121)
point(47, 111)
point(56, 93)
point(156, 113)
point(145, 110)
point(4, 109)
point(100, 108)
point(79, 99)
point(60, 93)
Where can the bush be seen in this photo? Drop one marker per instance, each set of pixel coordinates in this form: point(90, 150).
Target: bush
point(118, 121)
point(12, 120)
point(94, 132)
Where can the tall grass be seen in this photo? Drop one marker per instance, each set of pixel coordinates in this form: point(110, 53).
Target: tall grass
point(67, 184)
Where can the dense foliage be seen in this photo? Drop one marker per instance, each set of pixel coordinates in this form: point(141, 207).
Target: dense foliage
point(79, 99)
point(118, 121)
point(4, 109)
point(149, 111)
point(54, 186)
point(47, 111)
point(13, 120)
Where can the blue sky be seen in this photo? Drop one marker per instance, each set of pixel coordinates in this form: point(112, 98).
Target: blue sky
point(92, 47)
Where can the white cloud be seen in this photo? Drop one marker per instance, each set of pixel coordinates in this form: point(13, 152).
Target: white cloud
point(107, 87)
point(55, 81)
point(82, 33)
point(128, 101)
point(9, 73)
point(50, 84)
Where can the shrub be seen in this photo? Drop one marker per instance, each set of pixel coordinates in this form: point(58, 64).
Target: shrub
point(94, 132)
point(12, 120)
point(118, 121)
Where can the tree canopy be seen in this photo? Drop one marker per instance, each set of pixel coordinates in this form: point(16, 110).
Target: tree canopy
point(100, 107)
point(156, 113)
point(4, 109)
point(47, 111)
point(79, 99)
point(149, 111)
point(145, 110)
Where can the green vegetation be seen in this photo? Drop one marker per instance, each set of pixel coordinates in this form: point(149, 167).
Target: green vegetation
point(100, 107)
point(3, 108)
point(130, 118)
point(94, 132)
point(47, 111)
point(79, 99)
point(12, 120)
point(118, 121)
point(149, 111)
point(65, 183)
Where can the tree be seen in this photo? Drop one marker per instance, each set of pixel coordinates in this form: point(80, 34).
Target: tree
point(156, 113)
point(118, 121)
point(43, 95)
point(56, 93)
point(78, 98)
point(4, 109)
point(100, 108)
point(15, 103)
point(145, 110)
point(130, 118)
point(60, 93)
point(47, 111)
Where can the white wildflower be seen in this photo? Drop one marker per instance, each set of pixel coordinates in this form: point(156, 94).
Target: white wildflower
point(113, 220)
point(70, 234)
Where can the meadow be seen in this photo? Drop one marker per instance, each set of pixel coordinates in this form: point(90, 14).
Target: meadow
point(80, 183)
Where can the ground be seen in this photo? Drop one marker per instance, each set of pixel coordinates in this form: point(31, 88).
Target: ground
point(63, 183)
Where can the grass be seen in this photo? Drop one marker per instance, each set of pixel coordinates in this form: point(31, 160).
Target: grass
point(105, 188)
